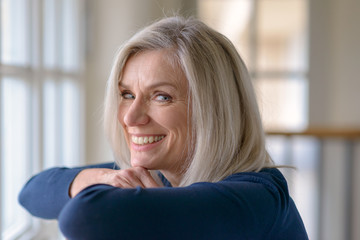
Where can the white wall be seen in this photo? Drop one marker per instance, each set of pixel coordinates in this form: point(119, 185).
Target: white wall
point(334, 63)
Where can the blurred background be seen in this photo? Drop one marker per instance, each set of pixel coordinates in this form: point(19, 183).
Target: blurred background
point(303, 56)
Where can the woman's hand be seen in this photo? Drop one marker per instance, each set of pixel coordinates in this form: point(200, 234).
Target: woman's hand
point(127, 178)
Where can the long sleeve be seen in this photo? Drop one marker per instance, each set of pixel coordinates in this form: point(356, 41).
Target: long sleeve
point(46, 193)
point(244, 206)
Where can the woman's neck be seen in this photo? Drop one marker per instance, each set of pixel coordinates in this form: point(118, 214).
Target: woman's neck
point(173, 178)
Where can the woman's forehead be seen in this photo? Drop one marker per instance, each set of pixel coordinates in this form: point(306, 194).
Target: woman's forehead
point(153, 67)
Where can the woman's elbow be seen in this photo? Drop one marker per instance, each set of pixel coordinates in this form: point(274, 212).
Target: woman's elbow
point(29, 200)
point(24, 197)
point(83, 216)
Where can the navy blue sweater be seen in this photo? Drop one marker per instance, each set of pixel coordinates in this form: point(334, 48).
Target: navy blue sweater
point(242, 206)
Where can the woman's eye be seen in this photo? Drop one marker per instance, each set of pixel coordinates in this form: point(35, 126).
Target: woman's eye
point(127, 95)
point(163, 98)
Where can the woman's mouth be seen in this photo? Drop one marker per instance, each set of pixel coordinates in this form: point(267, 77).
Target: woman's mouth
point(146, 139)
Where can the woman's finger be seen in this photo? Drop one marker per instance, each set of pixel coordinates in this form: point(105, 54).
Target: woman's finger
point(131, 177)
point(146, 178)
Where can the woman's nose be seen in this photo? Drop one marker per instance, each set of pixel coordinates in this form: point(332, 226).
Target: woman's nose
point(136, 114)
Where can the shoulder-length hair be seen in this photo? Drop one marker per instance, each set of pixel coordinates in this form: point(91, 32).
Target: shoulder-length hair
point(227, 133)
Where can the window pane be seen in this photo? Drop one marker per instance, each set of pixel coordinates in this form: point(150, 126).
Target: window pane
point(282, 35)
point(61, 122)
point(16, 154)
point(231, 18)
point(52, 128)
point(51, 32)
point(283, 103)
point(70, 122)
point(61, 35)
point(70, 35)
point(14, 32)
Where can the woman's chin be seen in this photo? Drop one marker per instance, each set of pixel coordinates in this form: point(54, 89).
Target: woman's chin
point(142, 163)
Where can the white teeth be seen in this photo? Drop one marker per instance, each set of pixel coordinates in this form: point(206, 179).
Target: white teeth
point(146, 140)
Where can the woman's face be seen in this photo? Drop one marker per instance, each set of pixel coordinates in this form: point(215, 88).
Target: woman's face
point(153, 112)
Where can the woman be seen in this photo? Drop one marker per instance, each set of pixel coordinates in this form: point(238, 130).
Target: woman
point(183, 122)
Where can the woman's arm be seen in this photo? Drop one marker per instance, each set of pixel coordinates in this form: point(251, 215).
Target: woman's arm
point(46, 193)
point(200, 211)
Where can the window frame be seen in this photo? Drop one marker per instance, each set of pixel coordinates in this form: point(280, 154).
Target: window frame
point(274, 74)
point(253, 56)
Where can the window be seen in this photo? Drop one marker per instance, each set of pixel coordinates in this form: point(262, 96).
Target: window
point(271, 36)
point(40, 98)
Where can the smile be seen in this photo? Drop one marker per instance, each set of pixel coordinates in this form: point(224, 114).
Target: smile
point(146, 140)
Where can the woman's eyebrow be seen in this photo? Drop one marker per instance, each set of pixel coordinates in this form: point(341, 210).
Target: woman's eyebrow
point(120, 84)
point(150, 86)
point(161, 84)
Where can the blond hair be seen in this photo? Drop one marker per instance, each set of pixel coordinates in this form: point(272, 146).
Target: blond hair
point(227, 131)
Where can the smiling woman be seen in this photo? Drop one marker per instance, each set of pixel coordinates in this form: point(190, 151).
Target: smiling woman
point(183, 122)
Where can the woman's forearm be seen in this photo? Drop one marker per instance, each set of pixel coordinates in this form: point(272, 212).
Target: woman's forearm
point(46, 193)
